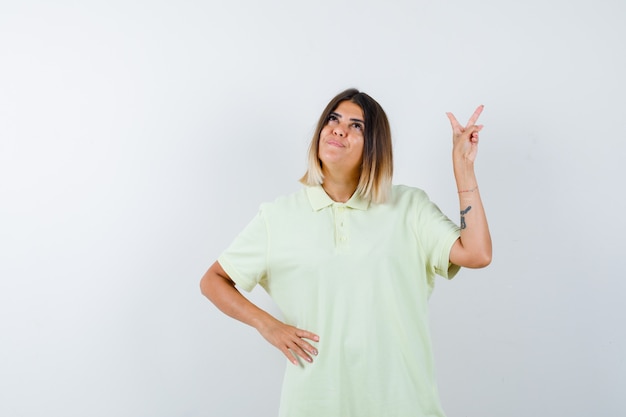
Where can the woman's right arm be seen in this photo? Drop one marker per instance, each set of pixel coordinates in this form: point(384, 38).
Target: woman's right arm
point(220, 289)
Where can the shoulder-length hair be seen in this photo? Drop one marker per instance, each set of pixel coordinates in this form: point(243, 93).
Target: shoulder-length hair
point(377, 163)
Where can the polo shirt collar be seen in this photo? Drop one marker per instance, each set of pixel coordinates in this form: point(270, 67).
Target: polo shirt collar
point(319, 199)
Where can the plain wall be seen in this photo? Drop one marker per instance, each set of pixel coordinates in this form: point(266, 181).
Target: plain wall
point(137, 138)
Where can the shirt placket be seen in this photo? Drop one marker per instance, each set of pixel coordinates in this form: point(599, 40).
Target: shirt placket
point(341, 231)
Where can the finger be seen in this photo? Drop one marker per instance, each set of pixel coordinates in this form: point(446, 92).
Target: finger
point(304, 334)
point(472, 133)
point(455, 124)
point(290, 356)
point(307, 347)
point(300, 352)
point(473, 130)
point(475, 116)
point(303, 344)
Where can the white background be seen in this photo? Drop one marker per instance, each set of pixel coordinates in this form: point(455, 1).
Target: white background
point(138, 138)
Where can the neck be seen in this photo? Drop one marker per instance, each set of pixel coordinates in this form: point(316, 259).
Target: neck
point(340, 189)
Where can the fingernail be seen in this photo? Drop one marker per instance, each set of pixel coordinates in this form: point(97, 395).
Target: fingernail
point(309, 359)
point(315, 352)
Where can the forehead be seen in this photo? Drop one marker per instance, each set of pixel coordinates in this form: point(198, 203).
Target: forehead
point(350, 110)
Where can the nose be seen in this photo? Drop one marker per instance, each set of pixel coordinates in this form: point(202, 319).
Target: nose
point(339, 131)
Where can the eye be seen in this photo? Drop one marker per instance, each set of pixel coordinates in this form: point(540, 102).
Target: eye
point(357, 126)
point(332, 118)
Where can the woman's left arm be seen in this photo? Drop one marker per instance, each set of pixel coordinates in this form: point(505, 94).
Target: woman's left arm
point(473, 248)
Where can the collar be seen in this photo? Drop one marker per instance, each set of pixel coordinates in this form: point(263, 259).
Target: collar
point(319, 199)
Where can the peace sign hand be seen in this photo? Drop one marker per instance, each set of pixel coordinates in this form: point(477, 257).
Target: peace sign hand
point(465, 139)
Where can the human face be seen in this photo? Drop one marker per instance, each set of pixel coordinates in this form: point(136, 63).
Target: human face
point(341, 140)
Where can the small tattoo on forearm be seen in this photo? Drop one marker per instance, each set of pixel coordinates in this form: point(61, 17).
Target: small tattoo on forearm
point(463, 213)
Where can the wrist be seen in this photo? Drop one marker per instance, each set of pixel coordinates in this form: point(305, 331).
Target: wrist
point(465, 178)
point(468, 190)
point(262, 320)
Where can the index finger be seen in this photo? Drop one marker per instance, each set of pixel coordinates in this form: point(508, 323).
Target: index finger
point(307, 335)
point(455, 124)
point(477, 112)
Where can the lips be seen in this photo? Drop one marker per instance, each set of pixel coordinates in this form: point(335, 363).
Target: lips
point(336, 143)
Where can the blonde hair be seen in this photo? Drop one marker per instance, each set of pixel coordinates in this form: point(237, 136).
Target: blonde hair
point(377, 163)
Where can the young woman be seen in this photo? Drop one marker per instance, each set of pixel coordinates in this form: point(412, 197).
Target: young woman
point(350, 261)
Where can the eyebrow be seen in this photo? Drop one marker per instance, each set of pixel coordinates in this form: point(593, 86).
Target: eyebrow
point(352, 120)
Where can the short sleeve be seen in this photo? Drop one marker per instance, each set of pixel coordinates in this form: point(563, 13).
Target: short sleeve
point(437, 234)
point(245, 260)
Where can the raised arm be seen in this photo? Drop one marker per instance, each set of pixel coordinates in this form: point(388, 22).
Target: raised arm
point(220, 289)
point(473, 248)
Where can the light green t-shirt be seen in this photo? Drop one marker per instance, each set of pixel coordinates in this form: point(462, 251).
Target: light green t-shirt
point(359, 275)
